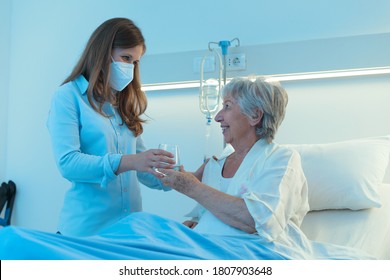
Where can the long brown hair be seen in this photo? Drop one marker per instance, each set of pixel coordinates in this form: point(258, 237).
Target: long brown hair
point(94, 65)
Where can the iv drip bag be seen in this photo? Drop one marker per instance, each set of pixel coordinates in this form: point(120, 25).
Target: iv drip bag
point(209, 91)
point(209, 97)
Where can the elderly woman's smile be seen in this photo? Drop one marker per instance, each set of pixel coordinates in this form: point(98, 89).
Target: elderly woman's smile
point(236, 126)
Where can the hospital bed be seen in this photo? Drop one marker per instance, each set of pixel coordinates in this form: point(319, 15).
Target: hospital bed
point(349, 194)
point(367, 229)
point(349, 198)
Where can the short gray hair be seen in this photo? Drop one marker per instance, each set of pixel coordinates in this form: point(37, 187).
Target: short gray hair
point(258, 94)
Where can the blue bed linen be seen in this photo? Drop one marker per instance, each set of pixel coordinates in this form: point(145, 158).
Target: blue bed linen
point(141, 236)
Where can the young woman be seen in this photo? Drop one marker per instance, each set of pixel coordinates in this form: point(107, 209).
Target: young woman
point(95, 123)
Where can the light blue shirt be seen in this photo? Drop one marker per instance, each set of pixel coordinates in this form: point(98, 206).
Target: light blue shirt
point(88, 148)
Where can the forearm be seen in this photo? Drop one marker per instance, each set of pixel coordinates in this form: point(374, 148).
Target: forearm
point(79, 167)
point(199, 172)
point(126, 164)
point(229, 209)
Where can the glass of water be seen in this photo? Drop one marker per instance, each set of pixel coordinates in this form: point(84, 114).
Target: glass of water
point(173, 149)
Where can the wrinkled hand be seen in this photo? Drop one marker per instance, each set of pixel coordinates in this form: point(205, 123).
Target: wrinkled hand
point(181, 180)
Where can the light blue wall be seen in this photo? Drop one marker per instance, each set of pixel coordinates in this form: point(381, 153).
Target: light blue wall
point(5, 29)
point(47, 37)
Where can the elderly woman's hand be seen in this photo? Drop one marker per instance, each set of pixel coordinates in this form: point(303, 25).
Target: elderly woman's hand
point(181, 181)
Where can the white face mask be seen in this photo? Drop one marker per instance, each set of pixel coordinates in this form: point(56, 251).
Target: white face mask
point(121, 74)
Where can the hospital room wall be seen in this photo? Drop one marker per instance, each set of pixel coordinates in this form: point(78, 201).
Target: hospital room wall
point(5, 28)
point(46, 38)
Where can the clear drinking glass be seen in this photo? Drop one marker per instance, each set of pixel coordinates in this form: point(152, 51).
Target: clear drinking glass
point(174, 149)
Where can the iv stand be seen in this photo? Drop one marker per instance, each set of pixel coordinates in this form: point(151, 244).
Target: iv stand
point(224, 49)
point(207, 89)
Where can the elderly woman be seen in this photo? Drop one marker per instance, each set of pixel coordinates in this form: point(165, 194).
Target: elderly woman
point(256, 187)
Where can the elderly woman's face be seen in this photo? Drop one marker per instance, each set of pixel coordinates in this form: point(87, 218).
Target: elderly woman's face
point(236, 126)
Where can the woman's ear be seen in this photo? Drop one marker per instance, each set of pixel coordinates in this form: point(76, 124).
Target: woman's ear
point(256, 118)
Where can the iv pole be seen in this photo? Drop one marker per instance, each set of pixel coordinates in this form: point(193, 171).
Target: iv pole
point(210, 90)
point(224, 49)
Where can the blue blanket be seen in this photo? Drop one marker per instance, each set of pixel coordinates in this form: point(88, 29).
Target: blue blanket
point(141, 236)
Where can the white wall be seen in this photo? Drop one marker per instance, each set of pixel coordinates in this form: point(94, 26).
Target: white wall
point(46, 38)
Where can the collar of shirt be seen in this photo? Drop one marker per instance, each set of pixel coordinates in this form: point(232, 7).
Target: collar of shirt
point(82, 84)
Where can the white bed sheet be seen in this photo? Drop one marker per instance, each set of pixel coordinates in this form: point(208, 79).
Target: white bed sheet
point(368, 230)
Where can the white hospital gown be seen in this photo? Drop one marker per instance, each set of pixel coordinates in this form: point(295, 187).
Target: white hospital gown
point(272, 183)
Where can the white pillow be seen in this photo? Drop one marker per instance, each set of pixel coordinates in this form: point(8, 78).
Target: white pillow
point(345, 175)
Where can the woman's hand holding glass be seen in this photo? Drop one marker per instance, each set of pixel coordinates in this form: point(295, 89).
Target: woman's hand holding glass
point(181, 181)
point(148, 161)
point(174, 150)
point(165, 157)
